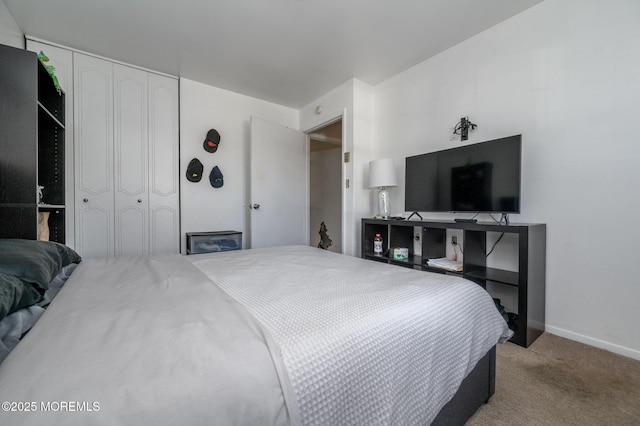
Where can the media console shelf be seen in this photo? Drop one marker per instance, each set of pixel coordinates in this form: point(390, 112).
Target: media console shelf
point(528, 281)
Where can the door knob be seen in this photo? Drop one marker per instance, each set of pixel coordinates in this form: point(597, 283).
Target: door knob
point(86, 200)
point(256, 206)
point(139, 200)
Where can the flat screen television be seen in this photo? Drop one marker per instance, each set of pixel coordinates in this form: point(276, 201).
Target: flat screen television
point(481, 178)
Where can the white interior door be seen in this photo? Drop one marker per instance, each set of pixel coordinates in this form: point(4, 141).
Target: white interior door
point(130, 159)
point(93, 118)
point(164, 194)
point(279, 181)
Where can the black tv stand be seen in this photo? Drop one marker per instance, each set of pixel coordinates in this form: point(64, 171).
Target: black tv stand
point(415, 213)
point(522, 285)
point(465, 220)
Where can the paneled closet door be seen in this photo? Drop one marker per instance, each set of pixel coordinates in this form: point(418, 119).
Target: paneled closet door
point(131, 155)
point(164, 200)
point(93, 128)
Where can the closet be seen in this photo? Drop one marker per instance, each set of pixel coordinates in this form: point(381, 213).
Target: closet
point(125, 159)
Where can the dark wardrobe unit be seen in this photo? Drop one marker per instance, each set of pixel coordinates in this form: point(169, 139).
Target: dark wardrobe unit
point(31, 147)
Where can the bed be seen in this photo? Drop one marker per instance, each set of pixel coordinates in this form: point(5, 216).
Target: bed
point(280, 335)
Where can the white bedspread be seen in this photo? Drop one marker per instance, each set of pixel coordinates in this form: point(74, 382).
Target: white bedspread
point(363, 343)
point(273, 336)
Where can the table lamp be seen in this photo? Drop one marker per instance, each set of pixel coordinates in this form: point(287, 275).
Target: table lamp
point(382, 174)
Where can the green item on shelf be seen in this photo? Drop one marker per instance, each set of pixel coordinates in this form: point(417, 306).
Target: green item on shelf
point(50, 69)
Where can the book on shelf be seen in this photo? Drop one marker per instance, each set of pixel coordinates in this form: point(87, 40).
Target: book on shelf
point(444, 263)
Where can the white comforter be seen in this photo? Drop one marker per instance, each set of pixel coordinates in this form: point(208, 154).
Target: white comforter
point(363, 343)
point(278, 335)
point(142, 341)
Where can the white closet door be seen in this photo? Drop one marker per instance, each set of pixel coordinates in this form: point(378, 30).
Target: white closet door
point(93, 128)
point(131, 153)
point(164, 199)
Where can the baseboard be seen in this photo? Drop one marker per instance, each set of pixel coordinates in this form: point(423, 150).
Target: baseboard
point(602, 344)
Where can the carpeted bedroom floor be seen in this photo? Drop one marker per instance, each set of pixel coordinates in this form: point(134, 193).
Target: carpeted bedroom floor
point(561, 382)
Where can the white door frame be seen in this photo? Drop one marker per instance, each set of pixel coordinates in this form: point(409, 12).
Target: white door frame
point(343, 214)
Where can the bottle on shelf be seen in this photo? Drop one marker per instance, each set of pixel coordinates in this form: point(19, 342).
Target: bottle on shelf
point(377, 245)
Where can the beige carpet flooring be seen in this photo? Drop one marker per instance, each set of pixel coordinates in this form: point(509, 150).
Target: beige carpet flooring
point(561, 382)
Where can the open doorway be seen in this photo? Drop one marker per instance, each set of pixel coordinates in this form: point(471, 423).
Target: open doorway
point(325, 187)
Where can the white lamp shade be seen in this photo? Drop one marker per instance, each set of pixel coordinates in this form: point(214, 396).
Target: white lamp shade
point(382, 173)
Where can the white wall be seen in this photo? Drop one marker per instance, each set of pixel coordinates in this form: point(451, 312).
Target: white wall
point(203, 107)
point(363, 153)
point(565, 74)
point(10, 33)
point(354, 99)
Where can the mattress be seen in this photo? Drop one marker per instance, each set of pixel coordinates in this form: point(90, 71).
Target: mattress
point(283, 335)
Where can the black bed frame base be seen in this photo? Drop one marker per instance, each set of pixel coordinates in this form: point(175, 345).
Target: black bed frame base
point(475, 390)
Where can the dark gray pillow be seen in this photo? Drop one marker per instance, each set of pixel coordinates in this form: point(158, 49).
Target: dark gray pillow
point(15, 294)
point(35, 262)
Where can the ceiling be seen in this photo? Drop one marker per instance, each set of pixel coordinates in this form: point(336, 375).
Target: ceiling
point(289, 52)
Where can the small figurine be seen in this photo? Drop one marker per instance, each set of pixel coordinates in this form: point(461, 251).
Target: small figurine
point(40, 193)
point(325, 241)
